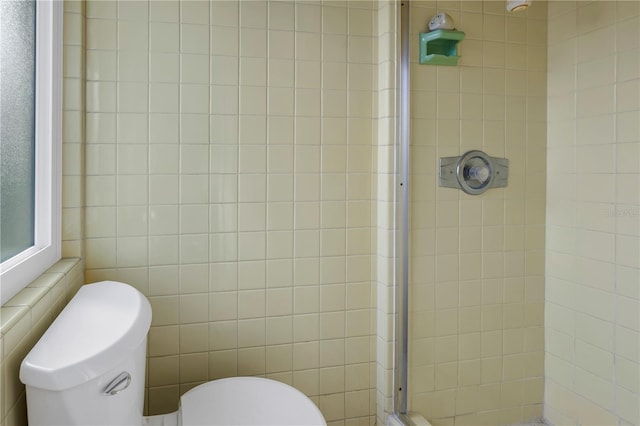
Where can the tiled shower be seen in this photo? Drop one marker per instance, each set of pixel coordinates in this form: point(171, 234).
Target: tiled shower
point(476, 312)
point(234, 161)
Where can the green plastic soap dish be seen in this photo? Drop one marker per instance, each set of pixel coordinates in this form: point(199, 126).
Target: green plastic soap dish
point(440, 47)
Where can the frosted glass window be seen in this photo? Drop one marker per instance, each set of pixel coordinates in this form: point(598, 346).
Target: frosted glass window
point(30, 141)
point(17, 126)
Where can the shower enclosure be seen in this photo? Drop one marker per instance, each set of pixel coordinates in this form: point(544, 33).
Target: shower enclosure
point(469, 295)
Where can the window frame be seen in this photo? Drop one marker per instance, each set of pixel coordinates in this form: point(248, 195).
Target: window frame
point(18, 271)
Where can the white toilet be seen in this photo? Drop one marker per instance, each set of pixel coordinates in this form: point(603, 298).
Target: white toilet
point(89, 369)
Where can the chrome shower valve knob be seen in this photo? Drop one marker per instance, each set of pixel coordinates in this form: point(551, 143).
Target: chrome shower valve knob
point(474, 172)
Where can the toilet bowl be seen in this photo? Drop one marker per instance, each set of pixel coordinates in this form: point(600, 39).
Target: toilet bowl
point(89, 369)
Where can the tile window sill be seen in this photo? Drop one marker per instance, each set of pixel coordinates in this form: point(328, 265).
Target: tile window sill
point(50, 290)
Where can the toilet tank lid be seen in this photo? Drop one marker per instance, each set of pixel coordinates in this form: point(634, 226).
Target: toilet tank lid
point(101, 326)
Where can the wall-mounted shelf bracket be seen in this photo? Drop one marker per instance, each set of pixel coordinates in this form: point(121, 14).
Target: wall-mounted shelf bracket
point(440, 47)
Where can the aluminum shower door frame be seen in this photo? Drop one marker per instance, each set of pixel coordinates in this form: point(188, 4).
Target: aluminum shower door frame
point(401, 235)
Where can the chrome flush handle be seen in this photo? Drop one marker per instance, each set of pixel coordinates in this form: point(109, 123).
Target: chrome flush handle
point(117, 385)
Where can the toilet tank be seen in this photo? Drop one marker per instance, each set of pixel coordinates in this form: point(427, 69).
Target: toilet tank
point(89, 366)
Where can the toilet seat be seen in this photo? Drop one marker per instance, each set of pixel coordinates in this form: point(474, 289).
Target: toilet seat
point(247, 401)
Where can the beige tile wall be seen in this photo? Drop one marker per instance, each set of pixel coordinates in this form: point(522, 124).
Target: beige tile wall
point(229, 158)
point(592, 323)
point(477, 262)
point(73, 131)
point(384, 183)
